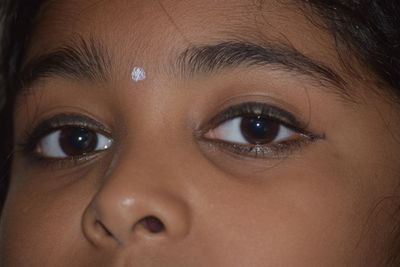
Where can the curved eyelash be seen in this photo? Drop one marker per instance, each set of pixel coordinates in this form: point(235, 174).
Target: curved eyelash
point(32, 138)
point(260, 150)
point(258, 109)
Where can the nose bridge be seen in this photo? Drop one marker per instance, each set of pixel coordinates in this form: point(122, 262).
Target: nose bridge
point(137, 200)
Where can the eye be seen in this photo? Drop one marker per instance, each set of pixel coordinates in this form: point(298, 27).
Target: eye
point(71, 141)
point(255, 130)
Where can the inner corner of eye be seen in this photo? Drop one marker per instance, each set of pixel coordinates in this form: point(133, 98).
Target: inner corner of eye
point(210, 134)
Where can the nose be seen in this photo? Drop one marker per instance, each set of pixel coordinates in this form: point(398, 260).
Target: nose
point(135, 205)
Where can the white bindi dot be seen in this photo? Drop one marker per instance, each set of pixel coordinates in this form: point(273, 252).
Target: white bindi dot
point(138, 74)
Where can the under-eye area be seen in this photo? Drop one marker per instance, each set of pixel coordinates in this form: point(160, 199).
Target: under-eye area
point(257, 130)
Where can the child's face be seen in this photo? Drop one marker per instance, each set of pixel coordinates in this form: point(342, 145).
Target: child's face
point(180, 110)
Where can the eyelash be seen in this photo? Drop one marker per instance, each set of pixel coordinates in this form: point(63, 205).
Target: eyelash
point(276, 150)
point(49, 126)
point(272, 113)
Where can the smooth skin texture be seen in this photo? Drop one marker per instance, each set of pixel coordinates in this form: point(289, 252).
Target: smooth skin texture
point(325, 201)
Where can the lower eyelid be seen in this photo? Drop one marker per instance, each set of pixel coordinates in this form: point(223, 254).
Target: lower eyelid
point(266, 152)
point(259, 152)
point(274, 150)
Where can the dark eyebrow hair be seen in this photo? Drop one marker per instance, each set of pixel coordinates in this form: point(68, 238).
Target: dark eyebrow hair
point(82, 59)
point(212, 58)
point(89, 60)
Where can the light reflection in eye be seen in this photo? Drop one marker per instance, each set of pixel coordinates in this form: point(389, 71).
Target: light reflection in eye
point(71, 142)
point(250, 130)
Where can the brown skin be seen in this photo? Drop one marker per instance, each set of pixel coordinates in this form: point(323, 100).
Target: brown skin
point(322, 204)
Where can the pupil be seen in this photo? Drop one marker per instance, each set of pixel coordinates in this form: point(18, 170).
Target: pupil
point(259, 130)
point(77, 141)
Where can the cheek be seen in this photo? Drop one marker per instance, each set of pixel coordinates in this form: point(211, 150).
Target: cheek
point(42, 226)
point(284, 223)
point(298, 214)
point(38, 227)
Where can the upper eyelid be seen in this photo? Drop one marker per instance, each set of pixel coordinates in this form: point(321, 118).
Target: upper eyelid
point(59, 121)
point(257, 109)
point(72, 119)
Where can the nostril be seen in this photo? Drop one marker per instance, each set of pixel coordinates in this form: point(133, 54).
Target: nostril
point(152, 224)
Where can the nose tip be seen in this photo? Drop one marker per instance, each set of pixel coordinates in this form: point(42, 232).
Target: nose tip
point(114, 219)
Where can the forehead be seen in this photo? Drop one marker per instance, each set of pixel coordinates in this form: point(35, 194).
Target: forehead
point(138, 26)
point(183, 14)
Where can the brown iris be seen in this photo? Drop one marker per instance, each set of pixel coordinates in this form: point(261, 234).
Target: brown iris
point(259, 130)
point(75, 141)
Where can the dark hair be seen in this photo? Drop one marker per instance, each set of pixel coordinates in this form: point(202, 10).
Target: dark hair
point(16, 18)
point(368, 29)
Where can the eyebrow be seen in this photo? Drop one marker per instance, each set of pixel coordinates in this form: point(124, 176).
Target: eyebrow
point(90, 60)
point(82, 60)
point(213, 58)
